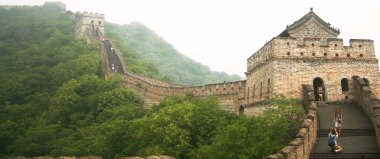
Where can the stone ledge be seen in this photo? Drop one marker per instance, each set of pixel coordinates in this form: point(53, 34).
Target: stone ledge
point(287, 150)
point(306, 123)
point(297, 142)
point(275, 156)
point(302, 133)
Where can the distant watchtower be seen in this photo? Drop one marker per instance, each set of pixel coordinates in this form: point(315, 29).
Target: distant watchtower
point(58, 4)
point(310, 52)
point(90, 23)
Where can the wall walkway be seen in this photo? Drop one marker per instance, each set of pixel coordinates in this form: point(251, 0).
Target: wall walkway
point(230, 94)
point(358, 137)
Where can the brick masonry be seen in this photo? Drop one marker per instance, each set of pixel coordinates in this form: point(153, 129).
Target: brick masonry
point(309, 52)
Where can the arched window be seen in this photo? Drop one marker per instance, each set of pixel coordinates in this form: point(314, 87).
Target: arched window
point(100, 22)
point(253, 93)
point(344, 83)
point(241, 109)
point(268, 88)
point(261, 89)
point(319, 84)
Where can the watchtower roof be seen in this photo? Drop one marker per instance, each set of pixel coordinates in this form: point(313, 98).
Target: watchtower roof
point(303, 21)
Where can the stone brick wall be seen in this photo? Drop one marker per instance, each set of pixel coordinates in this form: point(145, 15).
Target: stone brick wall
point(260, 83)
point(292, 73)
point(312, 30)
point(292, 64)
point(230, 94)
point(289, 47)
point(260, 57)
point(369, 102)
point(302, 145)
point(85, 21)
point(255, 109)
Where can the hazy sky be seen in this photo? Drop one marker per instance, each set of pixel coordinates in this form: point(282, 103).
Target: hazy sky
point(222, 34)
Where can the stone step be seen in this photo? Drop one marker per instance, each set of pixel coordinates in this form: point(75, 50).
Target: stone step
point(322, 104)
point(349, 132)
point(112, 57)
point(345, 156)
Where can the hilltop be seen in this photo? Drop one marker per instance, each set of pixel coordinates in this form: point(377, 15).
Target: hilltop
point(149, 54)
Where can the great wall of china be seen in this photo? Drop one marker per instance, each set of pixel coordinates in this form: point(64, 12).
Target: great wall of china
point(349, 76)
point(230, 94)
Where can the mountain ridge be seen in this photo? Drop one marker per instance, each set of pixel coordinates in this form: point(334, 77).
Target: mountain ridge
point(137, 39)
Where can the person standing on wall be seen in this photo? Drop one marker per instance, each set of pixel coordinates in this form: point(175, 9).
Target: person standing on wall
point(338, 120)
point(320, 92)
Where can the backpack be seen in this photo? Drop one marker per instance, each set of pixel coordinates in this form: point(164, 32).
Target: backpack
point(331, 140)
point(331, 143)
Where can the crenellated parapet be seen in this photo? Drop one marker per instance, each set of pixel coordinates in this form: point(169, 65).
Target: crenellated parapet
point(155, 82)
point(93, 15)
point(230, 94)
point(226, 88)
point(261, 56)
point(312, 49)
point(310, 52)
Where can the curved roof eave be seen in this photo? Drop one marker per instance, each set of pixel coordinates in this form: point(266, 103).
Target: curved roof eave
point(304, 19)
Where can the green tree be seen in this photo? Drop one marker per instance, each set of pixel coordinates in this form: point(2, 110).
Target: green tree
point(255, 137)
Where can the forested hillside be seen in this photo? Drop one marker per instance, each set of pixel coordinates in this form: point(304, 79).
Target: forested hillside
point(148, 54)
point(55, 101)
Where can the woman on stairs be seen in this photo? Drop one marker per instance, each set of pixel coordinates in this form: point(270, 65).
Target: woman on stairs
point(332, 140)
point(338, 120)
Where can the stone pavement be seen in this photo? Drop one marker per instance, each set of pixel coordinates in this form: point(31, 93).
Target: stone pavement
point(357, 139)
point(112, 57)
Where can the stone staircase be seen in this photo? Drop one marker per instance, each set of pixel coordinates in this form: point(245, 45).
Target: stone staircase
point(112, 57)
point(358, 137)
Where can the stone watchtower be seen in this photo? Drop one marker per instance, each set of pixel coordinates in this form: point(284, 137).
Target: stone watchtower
point(90, 23)
point(310, 52)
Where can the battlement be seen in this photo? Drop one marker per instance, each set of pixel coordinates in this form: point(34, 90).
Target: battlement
point(93, 15)
point(90, 22)
point(312, 49)
point(219, 88)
